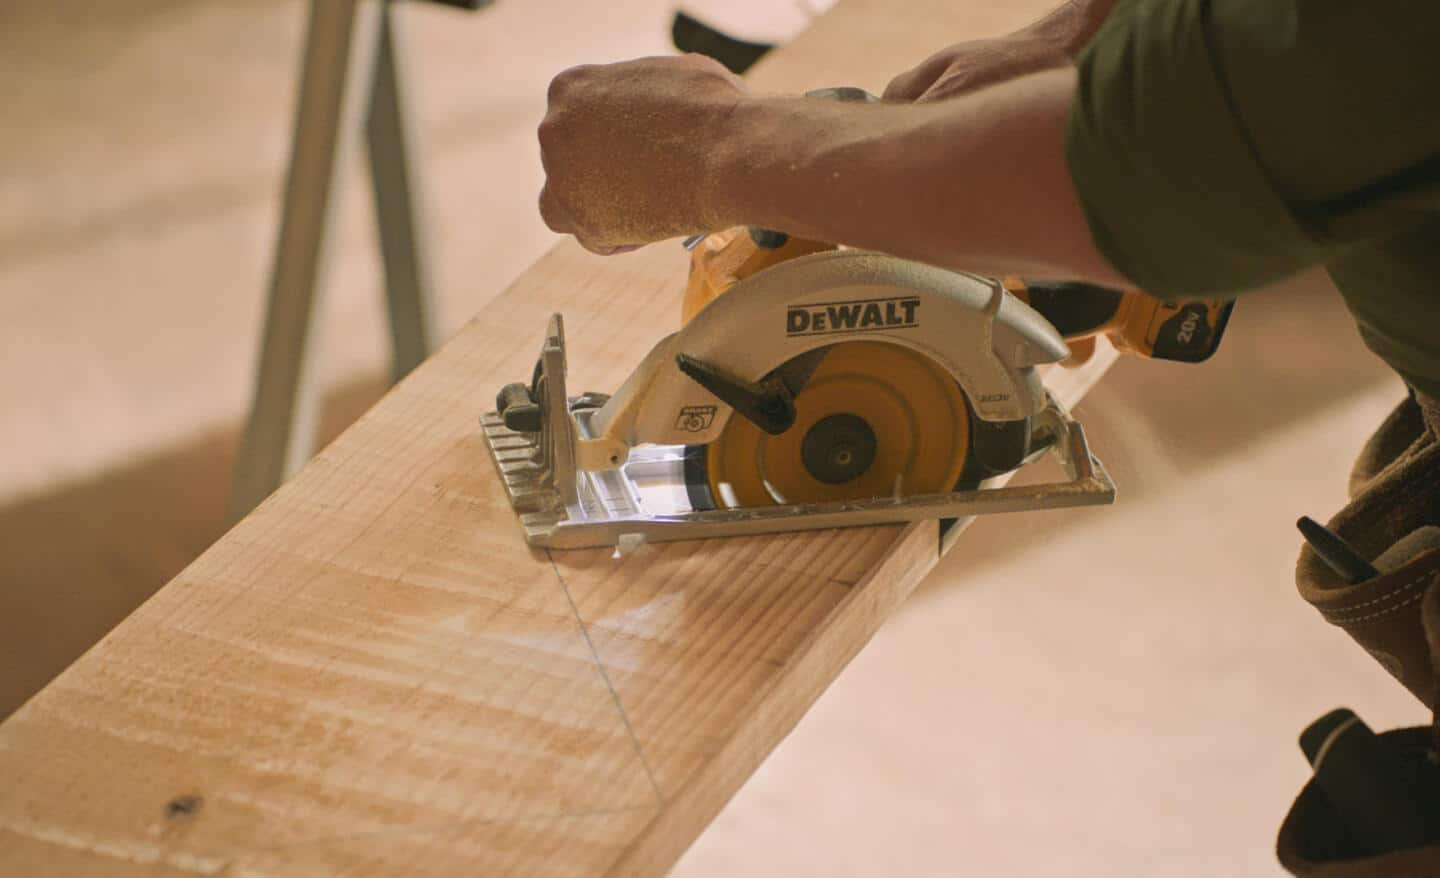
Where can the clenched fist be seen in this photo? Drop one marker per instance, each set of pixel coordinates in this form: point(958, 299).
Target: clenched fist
point(630, 150)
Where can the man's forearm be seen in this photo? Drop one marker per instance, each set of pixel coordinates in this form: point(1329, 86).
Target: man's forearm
point(662, 147)
point(978, 183)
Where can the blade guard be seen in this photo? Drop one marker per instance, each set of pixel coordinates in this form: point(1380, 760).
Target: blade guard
point(990, 341)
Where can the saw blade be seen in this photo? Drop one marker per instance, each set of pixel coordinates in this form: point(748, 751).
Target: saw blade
point(873, 420)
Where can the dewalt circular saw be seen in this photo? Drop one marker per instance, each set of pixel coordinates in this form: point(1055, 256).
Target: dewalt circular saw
point(812, 386)
point(934, 442)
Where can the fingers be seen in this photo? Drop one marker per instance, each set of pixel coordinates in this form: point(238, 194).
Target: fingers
point(554, 214)
point(556, 217)
point(568, 82)
point(903, 87)
point(954, 84)
point(565, 82)
point(610, 251)
point(917, 80)
point(705, 64)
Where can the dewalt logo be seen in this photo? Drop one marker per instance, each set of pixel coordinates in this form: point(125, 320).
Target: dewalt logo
point(859, 315)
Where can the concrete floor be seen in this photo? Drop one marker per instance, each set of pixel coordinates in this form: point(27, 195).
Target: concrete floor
point(1110, 692)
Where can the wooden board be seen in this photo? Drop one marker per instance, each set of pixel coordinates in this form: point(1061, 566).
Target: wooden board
point(373, 673)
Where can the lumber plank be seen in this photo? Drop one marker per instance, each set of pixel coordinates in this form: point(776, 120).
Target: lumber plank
point(373, 673)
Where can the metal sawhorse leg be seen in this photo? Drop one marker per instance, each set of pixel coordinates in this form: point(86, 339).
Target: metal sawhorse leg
point(351, 76)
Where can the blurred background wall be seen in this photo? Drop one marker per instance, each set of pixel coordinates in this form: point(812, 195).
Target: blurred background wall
point(1097, 693)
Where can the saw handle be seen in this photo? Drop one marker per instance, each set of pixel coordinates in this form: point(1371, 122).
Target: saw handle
point(1133, 321)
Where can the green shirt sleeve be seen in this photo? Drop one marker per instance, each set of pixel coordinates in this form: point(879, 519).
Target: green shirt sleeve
point(1221, 144)
point(1218, 145)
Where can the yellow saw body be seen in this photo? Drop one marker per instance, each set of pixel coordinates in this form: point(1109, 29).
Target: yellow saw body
point(926, 446)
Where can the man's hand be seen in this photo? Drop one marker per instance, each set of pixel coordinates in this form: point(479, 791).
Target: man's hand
point(629, 150)
point(1053, 41)
point(967, 66)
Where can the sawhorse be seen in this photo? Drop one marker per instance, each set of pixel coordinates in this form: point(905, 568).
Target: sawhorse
point(352, 76)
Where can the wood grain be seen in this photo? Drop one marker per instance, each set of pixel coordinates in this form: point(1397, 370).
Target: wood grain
point(372, 673)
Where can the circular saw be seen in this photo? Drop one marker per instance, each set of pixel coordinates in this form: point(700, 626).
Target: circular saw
point(812, 386)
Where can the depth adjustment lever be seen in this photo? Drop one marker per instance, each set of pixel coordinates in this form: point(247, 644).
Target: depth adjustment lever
point(769, 405)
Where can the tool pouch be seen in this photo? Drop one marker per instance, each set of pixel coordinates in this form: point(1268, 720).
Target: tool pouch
point(1395, 616)
point(1395, 496)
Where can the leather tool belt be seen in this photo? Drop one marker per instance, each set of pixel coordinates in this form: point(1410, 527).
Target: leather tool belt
point(1393, 518)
